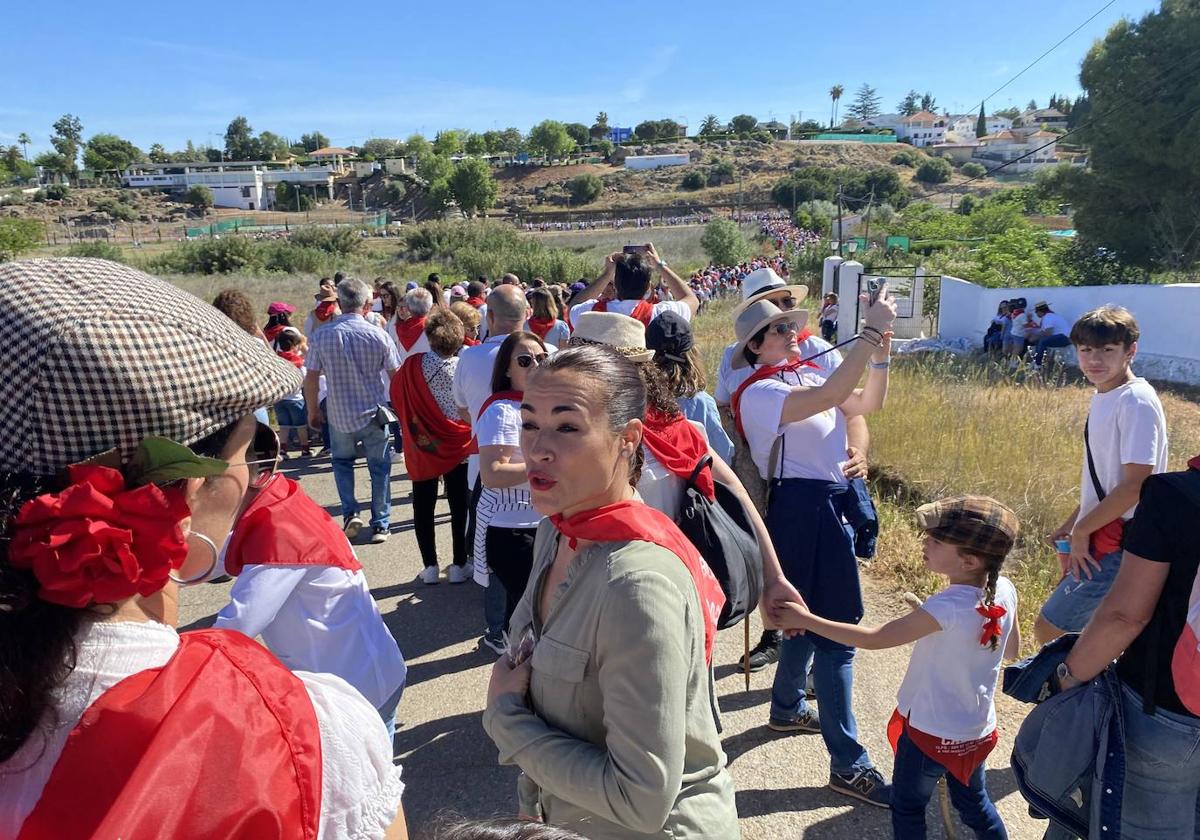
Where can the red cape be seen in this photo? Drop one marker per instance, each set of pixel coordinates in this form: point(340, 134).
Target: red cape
point(222, 741)
point(284, 527)
point(678, 446)
point(433, 443)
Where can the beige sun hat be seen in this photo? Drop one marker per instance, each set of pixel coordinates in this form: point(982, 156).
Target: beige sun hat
point(756, 316)
point(624, 334)
point(762, 282)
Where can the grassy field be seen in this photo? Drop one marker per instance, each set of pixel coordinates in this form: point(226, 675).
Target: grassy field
point(679, 246)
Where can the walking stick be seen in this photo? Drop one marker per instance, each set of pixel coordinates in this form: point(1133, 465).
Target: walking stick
point(746, 653)
point(944, 801)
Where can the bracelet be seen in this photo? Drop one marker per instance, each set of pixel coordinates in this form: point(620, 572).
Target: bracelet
point(870, 341)
point(880, 365)
point(662, 264)
point(872, 329)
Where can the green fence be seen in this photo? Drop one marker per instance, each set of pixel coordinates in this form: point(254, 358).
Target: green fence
point(243, 225)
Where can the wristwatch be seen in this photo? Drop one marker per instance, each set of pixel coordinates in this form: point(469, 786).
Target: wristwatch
point(1064, 677)
point(662, 263)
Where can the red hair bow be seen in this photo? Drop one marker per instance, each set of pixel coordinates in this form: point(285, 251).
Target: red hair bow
point(992, 613)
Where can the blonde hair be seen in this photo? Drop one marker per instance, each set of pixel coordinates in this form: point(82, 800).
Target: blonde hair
point(686, 378)
point(466, 313)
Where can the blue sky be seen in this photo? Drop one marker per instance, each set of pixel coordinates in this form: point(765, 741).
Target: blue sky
point(167, 72)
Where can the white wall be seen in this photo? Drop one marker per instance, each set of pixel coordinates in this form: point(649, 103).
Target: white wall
point(1169, 318)
point(655, 161)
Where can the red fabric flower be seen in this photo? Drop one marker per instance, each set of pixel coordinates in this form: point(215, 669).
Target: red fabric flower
point(992, 613)
point(98, 542)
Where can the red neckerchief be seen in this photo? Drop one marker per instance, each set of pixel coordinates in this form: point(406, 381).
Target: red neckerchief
point(272, 332)
point(960, 758)
point(991, 622)
point(541, 326)
point(632, 520)
point(678, 446)
point(223, 714)
point(515, 396)
point(475, 301)
point(470, 342)
point(324, 310)
point(284, 527)
point(434, 444)
point(1194, 463)
point(643, 311)
point(765, 373)
point(292, 356)
point(410, 331)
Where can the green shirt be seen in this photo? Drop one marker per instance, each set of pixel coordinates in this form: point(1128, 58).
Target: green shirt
point(618, 737)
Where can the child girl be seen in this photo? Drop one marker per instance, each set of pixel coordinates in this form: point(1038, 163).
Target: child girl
point(828, 317)
point(945, 719)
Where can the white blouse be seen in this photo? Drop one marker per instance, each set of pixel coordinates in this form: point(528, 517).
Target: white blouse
point(360, 787)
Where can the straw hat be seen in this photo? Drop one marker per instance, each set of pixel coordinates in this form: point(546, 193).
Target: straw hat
point(100, 356)
point(624, 334)
point(762, 282)
point(756, 316)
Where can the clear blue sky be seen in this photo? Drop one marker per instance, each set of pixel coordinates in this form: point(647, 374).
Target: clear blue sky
point(169, 72)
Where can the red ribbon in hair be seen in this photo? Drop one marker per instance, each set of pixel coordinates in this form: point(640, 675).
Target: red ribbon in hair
point(678, 446)
point(992, 613)
point(631, 520)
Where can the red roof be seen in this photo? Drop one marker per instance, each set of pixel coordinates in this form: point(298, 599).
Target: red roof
point(921, 116)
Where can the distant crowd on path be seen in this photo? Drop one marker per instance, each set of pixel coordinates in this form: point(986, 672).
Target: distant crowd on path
point(775, 223)
point(570, 429)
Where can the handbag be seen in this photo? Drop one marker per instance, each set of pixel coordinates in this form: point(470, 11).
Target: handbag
point(385, 416)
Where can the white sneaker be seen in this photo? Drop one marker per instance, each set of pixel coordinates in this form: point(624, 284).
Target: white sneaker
point(352, 525)
point(429, 575)
point(458, 574)
point(397, 457)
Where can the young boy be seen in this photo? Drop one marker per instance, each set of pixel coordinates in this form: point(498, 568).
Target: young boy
point(1125, 441)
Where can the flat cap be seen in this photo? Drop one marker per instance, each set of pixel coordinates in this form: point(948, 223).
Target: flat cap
point(980, 524)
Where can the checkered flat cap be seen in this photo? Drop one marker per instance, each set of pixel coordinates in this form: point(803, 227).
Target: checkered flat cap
point(98, 355)
point(979, 524)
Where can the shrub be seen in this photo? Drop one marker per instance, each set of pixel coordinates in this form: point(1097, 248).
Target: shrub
point(341, 241)
point(907, 157)
point(724, 243)
point(97, 250)
point(119, 210)
point(973, 170)
point(934, 171)
point(18, 236)
point(294, 259)
point(209, 256)
point(722, 172)
point(585, 188)
point(968, 205)
point(694, 180)
point(199, 196)
point(57, 192)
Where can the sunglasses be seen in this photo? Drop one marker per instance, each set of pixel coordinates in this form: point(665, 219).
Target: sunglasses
point(265, 445)
point(783, 328)
point(527, 360)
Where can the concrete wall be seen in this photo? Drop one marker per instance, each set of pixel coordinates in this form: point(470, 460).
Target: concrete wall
point(655, 161)
point(1169, 318)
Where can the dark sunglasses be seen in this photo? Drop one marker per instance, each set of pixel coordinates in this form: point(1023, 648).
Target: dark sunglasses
point(527, 360)
point(265, 447)
point(783, 328)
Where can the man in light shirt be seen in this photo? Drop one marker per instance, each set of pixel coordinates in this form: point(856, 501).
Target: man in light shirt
point(1053, 331)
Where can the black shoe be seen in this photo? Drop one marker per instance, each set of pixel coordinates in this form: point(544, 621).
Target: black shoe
point(867, 785)
point(221, 579)
point(765, 653)
point(806, 721)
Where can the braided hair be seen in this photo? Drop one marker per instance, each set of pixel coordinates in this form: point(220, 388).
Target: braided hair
point(991, 564)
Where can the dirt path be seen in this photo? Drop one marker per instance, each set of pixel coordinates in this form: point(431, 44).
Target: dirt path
point(450, 764)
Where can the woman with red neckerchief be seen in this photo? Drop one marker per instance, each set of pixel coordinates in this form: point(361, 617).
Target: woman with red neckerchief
point(544, 321)
point(611, 717)
point(113, 724)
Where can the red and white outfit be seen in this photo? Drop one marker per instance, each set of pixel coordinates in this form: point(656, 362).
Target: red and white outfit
point(673, 447)
point(640, 310)
point(409, 336)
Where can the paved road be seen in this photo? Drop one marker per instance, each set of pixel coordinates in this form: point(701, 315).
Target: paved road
point(450, 764)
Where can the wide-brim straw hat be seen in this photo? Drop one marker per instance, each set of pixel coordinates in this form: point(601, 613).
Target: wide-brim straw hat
point(756, 316)
point(100, 356)
point(762, 282)
point(624, 334)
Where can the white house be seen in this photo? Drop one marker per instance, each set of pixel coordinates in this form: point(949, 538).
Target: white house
point(963, 127)
point(1006, 146)
point(1044, 118)
point(334, 157)
point(656, 161)
point(891, 121)
point(922, 129)
point(245, 185)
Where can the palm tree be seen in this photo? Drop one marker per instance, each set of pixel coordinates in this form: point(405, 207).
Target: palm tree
point(710, 125)
point(24, 140)
point(835, 93)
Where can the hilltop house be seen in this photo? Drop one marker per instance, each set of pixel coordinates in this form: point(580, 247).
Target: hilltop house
point(334, 157)
point(1044, 118)
point(245, 185)
point(1005, 146)
point(922, 129)
point(963, 127)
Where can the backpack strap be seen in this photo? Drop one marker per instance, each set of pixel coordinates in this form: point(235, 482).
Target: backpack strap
point(1087, 446)
point(705, 461)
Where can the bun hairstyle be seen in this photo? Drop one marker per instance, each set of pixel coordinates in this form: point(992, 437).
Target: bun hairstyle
point(633, 275)
point(616, 380)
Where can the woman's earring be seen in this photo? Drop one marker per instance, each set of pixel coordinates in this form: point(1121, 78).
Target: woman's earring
point(216, 555)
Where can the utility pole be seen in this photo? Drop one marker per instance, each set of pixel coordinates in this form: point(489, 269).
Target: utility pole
point(867, 235)
point(839, 220)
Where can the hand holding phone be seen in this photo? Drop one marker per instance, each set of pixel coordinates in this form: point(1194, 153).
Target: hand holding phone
point(634, 249)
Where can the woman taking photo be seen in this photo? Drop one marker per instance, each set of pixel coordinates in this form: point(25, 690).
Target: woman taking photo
point(611, 718)
point(794, 423)
point(544, 322)
point(507, 522)
point(106, 712)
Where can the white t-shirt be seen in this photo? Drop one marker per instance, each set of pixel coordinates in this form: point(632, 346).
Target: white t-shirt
point(1057, 324)
point(510, 507)
point(1125, 426)
point(320, 619)
point(812, 448)
point(360, 788)
point(950, 684)
point(728, 379)
point(660, 488)
point(626, 307)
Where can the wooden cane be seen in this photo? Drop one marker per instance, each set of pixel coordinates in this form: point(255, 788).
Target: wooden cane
point(746, 654)
point(944, 801)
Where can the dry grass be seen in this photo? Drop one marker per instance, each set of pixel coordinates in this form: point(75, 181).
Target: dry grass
point(679, 246)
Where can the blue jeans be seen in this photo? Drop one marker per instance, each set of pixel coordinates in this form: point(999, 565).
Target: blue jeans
point(833, 674)
point(914, 777)
point(388, 712)
point(495, 601)
point(1072, 602)
point(1162, 772)
point(1049, 341)
point(377, 443)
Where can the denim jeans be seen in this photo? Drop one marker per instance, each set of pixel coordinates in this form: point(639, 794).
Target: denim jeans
point(1046, 342)
point(833, 674)
point(377, 443)
point(388, 712)
point(914, 777)
point(1162, 772)
point(495, 601)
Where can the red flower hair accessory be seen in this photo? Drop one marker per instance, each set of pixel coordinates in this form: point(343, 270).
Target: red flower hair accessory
point(992, 613)
point(99, 540)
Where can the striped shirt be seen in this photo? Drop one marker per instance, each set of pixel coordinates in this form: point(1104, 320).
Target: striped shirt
point(354, 355)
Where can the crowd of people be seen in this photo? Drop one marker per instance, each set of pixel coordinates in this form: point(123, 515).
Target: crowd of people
point(1017, 334)
point(786, 234)
point(568, 427)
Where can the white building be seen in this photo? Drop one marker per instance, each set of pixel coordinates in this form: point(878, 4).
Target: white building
point(922, 129)
point(245, 185)
point(656, 161)
point(1044, 118)
point(962, 129)
point(1006, 146)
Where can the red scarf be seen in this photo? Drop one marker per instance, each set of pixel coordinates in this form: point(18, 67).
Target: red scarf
point(272, 332)
point(678, 446)
point(433, 443)
point(631, 520)
point(410, 331)
point(541, 326)
point(960, 758)
point(291, 356)
point(470, 342)
point(284, 527)
point(221, 741)
point(1194, 463)
point(643, 312)
point(475, 301)
point(324, 310)
point(765, 373)
point(515, 396)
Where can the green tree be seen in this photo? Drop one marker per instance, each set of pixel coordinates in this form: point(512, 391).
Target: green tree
point(24, 140)
point(381, 147)
point(967, 205)
point(475, 145)
point(66, 140)
point(199, 196)
point(54, 162)
point(929, 103)
point(1032, 106)
point(599, 129)
point(273, 147)
point(724, 243)
point(510, 141)
point(585, 188)
point(973, 170)
point(866, 103)
point(981, 122)
point(239, 141)
point(416, 146)
point(449, 142)
point(604, 146)
point(646, 130)
point(910, 104)
point(472, 186)
point(1009, 113)
point(18, 236)
point(579, 133)
point(694, 179)
point(710, 125)
point(159, 154)
point(313, 141)
point(108, 151)
point(934, 171)
point(743, 122)
point(835, 94)
point(550, 138)
point(432, 168)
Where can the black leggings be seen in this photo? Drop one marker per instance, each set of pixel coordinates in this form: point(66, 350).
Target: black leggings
point(510, 557)
point(425, 495)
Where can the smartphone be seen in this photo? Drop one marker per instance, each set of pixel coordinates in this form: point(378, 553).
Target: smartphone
point(634, 249)
point(875, 287)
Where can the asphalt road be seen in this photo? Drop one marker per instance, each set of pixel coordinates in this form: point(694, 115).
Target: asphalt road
point(450, 763)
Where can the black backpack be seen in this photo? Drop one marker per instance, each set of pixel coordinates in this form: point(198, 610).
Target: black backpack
point(721, 532)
